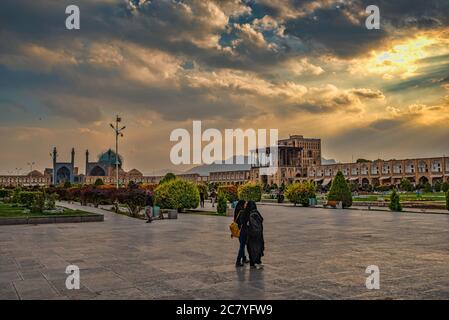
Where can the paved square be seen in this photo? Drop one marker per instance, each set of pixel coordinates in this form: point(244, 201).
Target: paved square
point(310, 254)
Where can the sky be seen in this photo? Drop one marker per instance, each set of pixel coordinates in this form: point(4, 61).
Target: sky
point(303, 67)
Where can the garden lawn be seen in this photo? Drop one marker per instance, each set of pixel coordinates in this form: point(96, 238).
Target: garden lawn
point(8, 211)
point(409, 196)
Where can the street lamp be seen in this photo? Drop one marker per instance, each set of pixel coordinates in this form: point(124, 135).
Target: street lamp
point(118, 132)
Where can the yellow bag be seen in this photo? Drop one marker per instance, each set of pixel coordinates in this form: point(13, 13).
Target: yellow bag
point(234, 227)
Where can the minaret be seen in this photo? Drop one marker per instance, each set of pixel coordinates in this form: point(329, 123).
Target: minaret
point(55, 156)
point(72, 177)
point(73, 158)
point(87, 162)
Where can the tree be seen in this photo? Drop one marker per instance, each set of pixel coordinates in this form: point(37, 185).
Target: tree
point(230, 191)
point(406, 185)
point(445, 186)
point(428, 187)
point(300, 192)
point(362, 161)
point(134, 199)
point(98, 182)
point(177, 194)
point(132, 185)
point(340, 191)
point(395, 203)
point(437, 186)
point(282, 187)
point(67, 185)
point(250, 192)
point(354, 186)
point(168, 177)
point(221, 203)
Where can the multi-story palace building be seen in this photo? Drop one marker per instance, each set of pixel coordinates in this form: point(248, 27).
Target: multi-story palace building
point(384, 172)
point(230, 177)
point(295, 155)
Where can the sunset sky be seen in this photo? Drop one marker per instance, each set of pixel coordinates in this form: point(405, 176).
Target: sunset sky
point(304, 67)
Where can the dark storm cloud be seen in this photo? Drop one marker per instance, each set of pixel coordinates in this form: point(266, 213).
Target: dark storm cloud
point(341, 30)
point(413, 13)
point(336, 32)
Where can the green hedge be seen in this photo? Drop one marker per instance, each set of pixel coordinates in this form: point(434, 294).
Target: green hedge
point(250, 192)
point(177, 194)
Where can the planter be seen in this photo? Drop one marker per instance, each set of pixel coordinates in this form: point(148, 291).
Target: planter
point(172, 214)
point(156, 211)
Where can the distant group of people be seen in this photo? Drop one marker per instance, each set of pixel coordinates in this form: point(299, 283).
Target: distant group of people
point(212, 196)
point(250, 223)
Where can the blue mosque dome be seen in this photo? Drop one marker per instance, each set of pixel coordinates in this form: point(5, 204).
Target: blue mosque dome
point(109, 157)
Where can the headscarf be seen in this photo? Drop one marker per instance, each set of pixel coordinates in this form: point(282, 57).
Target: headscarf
point(238, 207)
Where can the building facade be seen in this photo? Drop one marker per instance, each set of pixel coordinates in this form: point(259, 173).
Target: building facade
point(295, 155)
point(34, 178)
point(384, 172)
point(238, 177)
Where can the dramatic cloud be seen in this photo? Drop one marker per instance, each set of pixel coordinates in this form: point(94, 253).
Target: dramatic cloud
point(306, 67)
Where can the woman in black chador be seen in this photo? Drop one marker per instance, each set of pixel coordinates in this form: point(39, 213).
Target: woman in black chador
point(255, 241)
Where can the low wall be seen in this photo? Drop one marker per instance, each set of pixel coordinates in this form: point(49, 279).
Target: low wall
point(52, 219)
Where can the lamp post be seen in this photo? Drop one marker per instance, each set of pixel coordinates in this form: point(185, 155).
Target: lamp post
point(118, 132)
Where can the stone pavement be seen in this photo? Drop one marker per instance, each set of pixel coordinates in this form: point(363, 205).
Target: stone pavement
point(310, 254)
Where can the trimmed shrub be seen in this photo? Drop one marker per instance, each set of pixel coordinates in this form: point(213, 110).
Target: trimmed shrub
point(51, 201)
point(250, 192)
point(26, 198)
point(395, 203)
point(231, 192)
point(406, 185)
point(148, 187)
point(437, 186)
point(445, 186)
point(340, 191)
point(5, 193)
point(38, 204)
point(16, 195)
point(300, 193)
point(427, 187)
point(168, 177)
point(99, 182)
point(134, 199)
point(222, 203)
point(177, 194)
